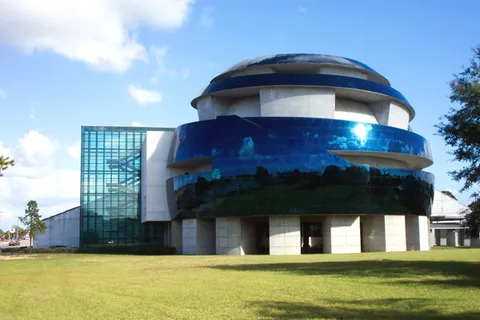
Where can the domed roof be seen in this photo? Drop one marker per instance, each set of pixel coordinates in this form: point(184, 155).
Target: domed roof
point(304, 58)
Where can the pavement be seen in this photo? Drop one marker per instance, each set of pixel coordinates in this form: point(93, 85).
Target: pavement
point(23, 243)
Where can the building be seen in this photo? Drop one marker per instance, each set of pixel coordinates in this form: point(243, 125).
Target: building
point(63, 230)
point(292, 153)
point(446, 228)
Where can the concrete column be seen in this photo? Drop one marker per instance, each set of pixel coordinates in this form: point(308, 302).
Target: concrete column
point(189, 236)
point(284, 235)
point(417, 232)
point(443, 237)
point(342, 234)
point(205, 236)
point(176, 235)
point(383, 233)
point(453, 238)
point(198, 236)
point(433, 239)
point(228, 236)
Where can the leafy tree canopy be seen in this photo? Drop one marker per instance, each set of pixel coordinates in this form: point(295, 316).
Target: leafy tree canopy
point(460, 128)
point(5, 163)
point(33, 220)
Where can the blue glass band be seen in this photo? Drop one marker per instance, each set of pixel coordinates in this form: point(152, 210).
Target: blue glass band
point(274, 166)
point(300, 139)
point(297, 79)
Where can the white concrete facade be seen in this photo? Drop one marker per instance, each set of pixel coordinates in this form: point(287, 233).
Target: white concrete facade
point(63, 230)
point(417, 233)
point(198, 236)
point(229, 236)
point(155, 150)
point(297, 102)
point(383, 233)
point(284, 235)
point(341, 234)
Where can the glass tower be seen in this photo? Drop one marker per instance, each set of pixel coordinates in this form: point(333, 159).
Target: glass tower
point(110, 188)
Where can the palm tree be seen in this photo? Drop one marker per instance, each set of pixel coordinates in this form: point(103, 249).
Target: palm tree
point(5, 162)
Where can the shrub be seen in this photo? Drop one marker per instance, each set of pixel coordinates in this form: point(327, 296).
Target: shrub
point(40, 250)
point(134, 250)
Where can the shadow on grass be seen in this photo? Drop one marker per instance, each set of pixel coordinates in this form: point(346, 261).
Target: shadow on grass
point(448, 273)
point(357, 309)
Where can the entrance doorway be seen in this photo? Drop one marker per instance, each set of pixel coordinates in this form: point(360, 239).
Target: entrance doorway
point(312, 239)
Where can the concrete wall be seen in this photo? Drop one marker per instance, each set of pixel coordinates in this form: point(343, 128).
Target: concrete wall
point(353, 111)
point(399, 116)
point(395, 233)
point(205, 236)
point(390, 113)
point(383, 233)
point(209, 107)
point(417, 233)
point(297, 102)
point(154, 205)
point(176, 235)
point(284, 235)
point(244, 107)
point(342, 234)
point(198, 236)
point(228, 236)
point(62, 230)
point(189, 236)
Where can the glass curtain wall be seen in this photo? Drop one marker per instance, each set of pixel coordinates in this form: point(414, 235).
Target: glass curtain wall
point(110, 188)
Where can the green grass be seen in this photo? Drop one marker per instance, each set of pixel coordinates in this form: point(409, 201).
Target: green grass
point(440, 284)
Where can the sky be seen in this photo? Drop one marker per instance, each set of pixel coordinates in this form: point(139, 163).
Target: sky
point(67, 63)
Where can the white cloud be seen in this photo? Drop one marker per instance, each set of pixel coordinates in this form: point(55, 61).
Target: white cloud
point(301, 8)
point(160, 53)
point(136, 124)
point(3, 95)
point(36, 177)
point(143, 96)
point(74, 149)
point(185, 72)
point(99, 33)
point(206, 18)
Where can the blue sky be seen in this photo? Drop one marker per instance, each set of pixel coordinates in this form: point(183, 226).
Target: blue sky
point(63, 65)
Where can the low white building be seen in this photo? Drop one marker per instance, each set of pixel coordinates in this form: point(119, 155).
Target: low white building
point(446, 227)
point(63, 230)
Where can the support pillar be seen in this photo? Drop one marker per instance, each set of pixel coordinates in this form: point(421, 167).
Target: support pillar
point(417, 233)
point(383, 233)
point(176, 235)
point(342, 234)
point(284, 235)
point(228, 236)
point(443, 237)
point(198, 236)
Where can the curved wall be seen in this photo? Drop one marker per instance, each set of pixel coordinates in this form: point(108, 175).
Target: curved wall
point(280, 165)
point(351, 110)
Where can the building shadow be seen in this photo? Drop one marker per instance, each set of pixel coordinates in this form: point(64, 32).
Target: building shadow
point(441, 273)
point(357, 309)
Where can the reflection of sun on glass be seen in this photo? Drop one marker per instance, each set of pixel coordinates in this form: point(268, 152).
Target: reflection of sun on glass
point(360, 131)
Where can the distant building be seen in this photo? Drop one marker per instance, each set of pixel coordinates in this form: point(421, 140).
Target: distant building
point(446, 221)
point(63, 230)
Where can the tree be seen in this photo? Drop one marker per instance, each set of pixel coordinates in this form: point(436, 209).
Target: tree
point(461, 130)
point(32, 220)
point(5, 163)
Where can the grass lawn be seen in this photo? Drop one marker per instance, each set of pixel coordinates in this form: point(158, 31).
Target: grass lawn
point(440, 284)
